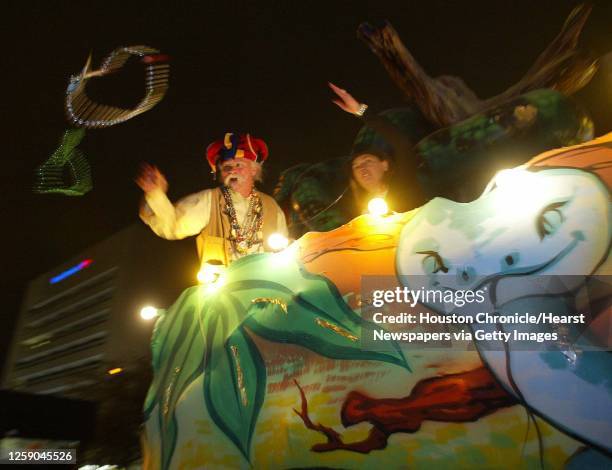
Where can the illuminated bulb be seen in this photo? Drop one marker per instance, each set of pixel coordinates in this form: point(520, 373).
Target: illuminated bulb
point(116, 370)
point(210, 272)
point(148, 313)
point(277, 242)
point(216, 284)
point(205, 277)
point(378, 206)
point(287, 255)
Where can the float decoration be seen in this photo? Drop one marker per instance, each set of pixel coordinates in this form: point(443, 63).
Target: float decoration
point(500, 137)
point(538, 240)
point(208, 332)
point(314, 195)
point(450, 398)
point(317, 196)
point(276, 373)
point(446, 100)
point(458, 136)
point(266, 403)
point(408, 120)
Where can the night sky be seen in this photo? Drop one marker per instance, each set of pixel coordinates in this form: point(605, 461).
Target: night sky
point(250, 66)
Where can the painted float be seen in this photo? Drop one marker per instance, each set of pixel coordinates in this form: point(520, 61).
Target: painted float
point(270, 368)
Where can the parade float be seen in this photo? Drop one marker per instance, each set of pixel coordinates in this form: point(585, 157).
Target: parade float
point(279, 362)
point(268, 367)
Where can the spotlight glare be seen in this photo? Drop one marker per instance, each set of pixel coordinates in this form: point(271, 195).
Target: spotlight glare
point(378, 206)
point(148, 312)
point(277, 242)
point(216, 284)
point(210, 273)
point(287, 255)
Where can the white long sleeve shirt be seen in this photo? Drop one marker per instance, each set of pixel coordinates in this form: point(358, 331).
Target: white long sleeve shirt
point(190, 215)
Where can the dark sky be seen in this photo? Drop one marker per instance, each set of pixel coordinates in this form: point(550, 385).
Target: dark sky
point(258, 66)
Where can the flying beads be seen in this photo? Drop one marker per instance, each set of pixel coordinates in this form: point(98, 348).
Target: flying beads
point(67, 170)
point(83, 112)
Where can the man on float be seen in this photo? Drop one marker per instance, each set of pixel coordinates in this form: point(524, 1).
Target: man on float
point(231, 220)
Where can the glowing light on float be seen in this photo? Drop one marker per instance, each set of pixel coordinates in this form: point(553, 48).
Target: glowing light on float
point(286, 256)
point(148, 312)
point(378, 206)
point(211, 272)
point(278, 242)
point(115, 371)
point(211, 288)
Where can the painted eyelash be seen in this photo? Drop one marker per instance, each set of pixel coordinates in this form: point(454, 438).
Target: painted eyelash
point(440, 266)
point(541, 222)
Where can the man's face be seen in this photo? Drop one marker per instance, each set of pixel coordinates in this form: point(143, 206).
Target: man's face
point(369, 171)
point(237, 173)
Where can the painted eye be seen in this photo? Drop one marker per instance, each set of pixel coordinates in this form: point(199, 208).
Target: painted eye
point(550, 219)
point(433, 263)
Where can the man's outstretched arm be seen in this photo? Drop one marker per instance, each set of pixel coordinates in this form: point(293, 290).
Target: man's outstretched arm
point(187, 217)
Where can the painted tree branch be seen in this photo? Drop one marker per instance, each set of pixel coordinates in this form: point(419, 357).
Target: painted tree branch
point(375, 440)
point(452, 398)
point(446, 100)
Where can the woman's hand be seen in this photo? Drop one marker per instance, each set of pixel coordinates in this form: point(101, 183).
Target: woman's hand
point(346, 102)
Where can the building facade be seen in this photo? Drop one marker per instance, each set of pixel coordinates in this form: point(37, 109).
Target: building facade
point(80, 322)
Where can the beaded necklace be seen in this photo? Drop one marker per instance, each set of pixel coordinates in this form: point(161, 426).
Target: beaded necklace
point(244, 237)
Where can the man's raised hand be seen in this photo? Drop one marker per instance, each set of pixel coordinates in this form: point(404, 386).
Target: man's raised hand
point(149, 179)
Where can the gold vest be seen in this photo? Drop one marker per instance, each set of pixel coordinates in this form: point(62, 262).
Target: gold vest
point(213, 242)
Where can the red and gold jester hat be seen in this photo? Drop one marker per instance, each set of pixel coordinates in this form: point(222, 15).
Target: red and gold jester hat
point(235, 145)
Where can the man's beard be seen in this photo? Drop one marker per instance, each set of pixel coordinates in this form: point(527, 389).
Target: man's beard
point(231, 181)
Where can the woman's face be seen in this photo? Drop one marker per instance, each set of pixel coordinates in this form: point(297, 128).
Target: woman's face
point(369, 172)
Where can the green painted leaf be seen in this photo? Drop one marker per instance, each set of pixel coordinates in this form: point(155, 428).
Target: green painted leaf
point(204, 332)
point(308, 326)
point(318, 318)
point(234, 387)
point(168, 440)
point(178, 360)
point(169, 334)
